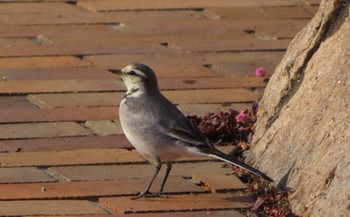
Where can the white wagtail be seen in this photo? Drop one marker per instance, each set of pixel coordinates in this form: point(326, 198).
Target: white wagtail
point(158, 129)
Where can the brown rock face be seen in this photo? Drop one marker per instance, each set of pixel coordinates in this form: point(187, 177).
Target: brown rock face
point(303, 132)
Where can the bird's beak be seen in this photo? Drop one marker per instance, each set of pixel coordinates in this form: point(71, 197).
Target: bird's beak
point(115, 71)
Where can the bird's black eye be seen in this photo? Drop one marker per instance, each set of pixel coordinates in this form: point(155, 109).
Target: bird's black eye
point(132, 73)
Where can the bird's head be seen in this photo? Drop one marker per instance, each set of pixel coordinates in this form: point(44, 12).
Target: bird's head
point(138, 79)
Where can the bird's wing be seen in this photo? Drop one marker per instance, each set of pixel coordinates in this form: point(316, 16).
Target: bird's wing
point(188, 133)
point(177, 126)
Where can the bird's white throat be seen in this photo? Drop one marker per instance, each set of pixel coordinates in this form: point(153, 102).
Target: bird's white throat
point(134, 85)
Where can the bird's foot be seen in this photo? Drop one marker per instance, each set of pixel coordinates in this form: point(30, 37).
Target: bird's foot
point(148, 194)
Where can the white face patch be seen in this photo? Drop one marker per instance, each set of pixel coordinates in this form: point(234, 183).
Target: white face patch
point(133, 84)
point(139, 82)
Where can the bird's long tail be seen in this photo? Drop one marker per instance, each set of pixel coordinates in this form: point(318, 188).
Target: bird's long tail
point(221, 156)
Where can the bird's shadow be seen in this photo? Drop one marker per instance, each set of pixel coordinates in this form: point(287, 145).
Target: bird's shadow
point(282, 184)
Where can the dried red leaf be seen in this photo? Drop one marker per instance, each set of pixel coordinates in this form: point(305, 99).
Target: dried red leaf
point(259, 201)
point(237, 128)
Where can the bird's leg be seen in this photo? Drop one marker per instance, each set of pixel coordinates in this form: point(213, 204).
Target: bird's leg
point(168, 169)
point(146, 192)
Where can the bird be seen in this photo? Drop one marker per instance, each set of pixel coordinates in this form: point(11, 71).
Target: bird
point(158, 130)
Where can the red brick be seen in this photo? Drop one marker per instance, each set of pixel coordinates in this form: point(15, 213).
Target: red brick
point(120, 44)
point(183, 83)
point(211, 83)
point(182, 66)
point(3, 149)
point(235, 29)
point(152, 59)
point(82, 157)
point(82, 17)
point(76, 85)
point(114, 20)
point(155, 16)
point(220, 213)
point(52, 18)
point(89, 156)
point(198, 27)
point(247, 71)
point(90, 85)
point(93, 215)
point(224, 43)
point(245, 58)
point(219, 182)
point(282, 28)
point(111, 172)
point(225, 213)
point(259, 13)
point(178, 97)
point(15, 102)
point(99, 47)
point(49, 13)
point(165, 64)
point(211, 96)
point(191, 202)
point(242, 64)
point(12, 45)
point(66, 143)
point(9, 43)
point(210, 167)
point(109, 5)
point(43, 62)
point(23, 175)
point(57, 73)
point(104, 127)
point(175, 70)
point(42, 130)
point(74, 190)
point(279, 29)
point(57, 30)
point(49, 207)
point(76, 99)
point(202, 109)
point(58, 114)
point(36, 7)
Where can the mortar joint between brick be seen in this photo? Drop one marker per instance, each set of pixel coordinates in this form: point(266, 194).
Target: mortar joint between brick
point(56, 177)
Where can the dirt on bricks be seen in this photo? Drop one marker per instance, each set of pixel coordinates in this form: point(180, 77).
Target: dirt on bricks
point(62, 150)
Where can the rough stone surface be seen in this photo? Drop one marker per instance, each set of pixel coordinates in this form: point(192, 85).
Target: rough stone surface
point(302, 133)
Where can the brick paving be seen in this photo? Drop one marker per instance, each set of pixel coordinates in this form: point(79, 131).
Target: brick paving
point(62, 150)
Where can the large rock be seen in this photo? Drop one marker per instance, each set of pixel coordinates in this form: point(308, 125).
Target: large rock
point(303, 133)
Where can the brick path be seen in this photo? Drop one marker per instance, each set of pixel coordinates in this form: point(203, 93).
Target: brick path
point(62, 148)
